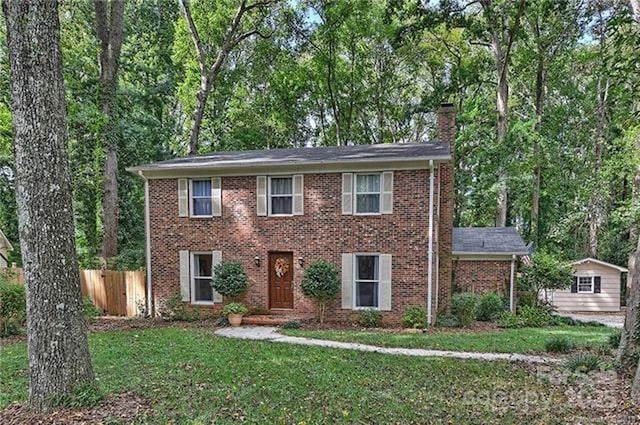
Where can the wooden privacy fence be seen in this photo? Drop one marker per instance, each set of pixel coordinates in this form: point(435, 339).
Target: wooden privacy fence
point(116, 293)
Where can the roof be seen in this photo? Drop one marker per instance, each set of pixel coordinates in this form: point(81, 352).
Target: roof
point(602, 263)
point(4, 242)
point(387, 152)
point(488, 241)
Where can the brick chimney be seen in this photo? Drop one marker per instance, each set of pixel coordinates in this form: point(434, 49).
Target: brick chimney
point(446, 124)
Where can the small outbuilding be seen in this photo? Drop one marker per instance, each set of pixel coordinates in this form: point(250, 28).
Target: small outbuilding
point(5, 247)
point(485, 259)
point(596, 287)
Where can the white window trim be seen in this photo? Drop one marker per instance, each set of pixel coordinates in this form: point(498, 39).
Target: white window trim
point(192, 277)
point(355, 279)
point(191, 214)
point(356, 193)
point(592, 278)
point(269, 195)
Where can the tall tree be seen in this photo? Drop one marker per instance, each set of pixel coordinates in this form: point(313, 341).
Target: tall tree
point(59, 360)
point(207, 51)
point(503, 25)
point(109, 18)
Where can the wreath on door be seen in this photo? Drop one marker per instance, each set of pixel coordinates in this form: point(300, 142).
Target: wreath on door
point(281, 267)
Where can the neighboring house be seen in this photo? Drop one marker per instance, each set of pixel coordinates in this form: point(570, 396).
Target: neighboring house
point(5, 247)
point(382, 214)
point(596, 287)
point(485, 259)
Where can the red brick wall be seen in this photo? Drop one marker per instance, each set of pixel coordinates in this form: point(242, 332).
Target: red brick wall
point(482, 276)
point(322, 232)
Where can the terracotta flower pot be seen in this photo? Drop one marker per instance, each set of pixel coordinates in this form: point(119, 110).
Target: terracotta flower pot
point(235, 320)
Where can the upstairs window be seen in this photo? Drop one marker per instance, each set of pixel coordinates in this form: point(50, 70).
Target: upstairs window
point(367, 193)
point(367, 281)
point(280, 195)
point(201, 198)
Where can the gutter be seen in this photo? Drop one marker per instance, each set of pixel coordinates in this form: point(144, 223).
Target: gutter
point(147, 231)
point(430, 252)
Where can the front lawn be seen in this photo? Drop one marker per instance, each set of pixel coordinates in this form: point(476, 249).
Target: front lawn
point(192, 376)
point(526, 340)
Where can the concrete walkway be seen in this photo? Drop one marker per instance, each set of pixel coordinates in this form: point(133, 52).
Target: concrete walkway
point(267, 333)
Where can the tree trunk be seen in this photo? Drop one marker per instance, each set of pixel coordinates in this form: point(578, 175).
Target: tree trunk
point(58, 352)
point(109, 20)
point(198, 113)
point(537, 171)
point(502, 105)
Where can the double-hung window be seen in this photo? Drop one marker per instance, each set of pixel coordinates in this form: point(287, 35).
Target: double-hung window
point(585, 284)
point(201, 275)
point(201, 198)
point(367, 193)
point(367, 281)
point(280, 195)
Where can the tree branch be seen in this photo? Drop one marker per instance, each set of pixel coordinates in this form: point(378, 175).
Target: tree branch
point(195, 37)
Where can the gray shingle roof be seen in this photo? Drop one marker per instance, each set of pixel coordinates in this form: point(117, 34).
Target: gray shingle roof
point(319, 155)
point(488, 240)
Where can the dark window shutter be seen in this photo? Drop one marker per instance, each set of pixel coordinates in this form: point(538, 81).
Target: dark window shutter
point(574, 285)
point(596, 284)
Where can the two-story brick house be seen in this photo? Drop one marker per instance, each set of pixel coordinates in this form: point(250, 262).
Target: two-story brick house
point(382, 214)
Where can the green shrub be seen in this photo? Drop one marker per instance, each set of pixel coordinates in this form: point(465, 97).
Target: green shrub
point(558, 344)
point(537, 317)
point(321, 283)
point(292, 324)
point(584, 363)
point(13, 308)
point(509, 320)
point(447, 322)
point(414, 317)
point(234, 308)
point(463, 307)
point(528, 298)
point(489, 306)
point(614, 338)
point(229, 279)
point(90, 309)
point(175, 309)
point(369, 318)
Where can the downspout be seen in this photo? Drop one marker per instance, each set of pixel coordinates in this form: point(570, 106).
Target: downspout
point(430, 253)
point(147, 231)
point(512, 306)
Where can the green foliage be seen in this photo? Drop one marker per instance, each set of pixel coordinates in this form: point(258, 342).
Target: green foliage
point(85, 396)
point(175, 309)
point(229, 279)
point(321, 283)
point(463, 307)
point(531, 317)
point(414, 317)
point(614, 339)
point(234, 308)
point(291, 324)
point(91, 312)
point(583, 363)
point(546, 273)
point(13, 308)
point(489, 306)
point(510, 320)
point(369, 318)
point(558, 344)
point(447, 322)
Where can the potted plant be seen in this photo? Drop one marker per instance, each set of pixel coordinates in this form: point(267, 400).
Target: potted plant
point(234, 312)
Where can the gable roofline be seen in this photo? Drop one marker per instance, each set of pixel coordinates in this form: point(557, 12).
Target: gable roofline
point(313, 159)
point(602, 263)
point(5, 242)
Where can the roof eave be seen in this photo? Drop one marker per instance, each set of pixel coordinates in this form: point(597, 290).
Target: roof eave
point(489, 253)
point(602, 263)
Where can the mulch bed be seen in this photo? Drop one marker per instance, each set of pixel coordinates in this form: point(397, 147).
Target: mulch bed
point(122, 408)
point(476, 327)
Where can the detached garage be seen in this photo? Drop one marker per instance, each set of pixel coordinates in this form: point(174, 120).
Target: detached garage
point(596, 287)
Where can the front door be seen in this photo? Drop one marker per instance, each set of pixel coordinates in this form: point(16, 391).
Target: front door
point(280, 280)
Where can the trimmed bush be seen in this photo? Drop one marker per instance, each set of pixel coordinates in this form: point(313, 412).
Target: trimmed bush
point(369, 318)
point(292, 324)
point(447, 322)
point(489, 307)
point(584, 363)
point(529, 317)
point(558, 345)
point(13, 308)
point(229, 279)
point(614, 338)
point(414, 317)
point(463, 307)
point(234, 308)
point(321, 283)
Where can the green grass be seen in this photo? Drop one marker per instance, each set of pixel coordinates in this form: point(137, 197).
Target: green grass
point(194, 377)
point(526, 340)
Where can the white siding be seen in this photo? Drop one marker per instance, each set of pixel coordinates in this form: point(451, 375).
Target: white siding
point(3, 264)
point(607, 300)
